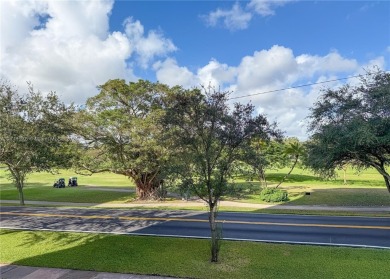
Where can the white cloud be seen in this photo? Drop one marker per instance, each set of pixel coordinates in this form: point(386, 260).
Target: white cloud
point(266, 7)
point(234, 19)
point(216, 74)
point(17, 19)
point(270, 70)
point(332, 62)
point(73, 51)
point(237, 18)
point(213, 74)
point(147, 47)
point(170, 73)
point(266, 68)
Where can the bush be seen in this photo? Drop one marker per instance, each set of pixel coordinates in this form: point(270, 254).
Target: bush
point(273, 195)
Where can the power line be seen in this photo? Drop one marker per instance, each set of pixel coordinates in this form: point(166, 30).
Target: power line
point(293, 87)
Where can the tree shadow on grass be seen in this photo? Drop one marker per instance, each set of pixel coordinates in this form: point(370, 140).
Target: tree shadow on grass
point(107, 253)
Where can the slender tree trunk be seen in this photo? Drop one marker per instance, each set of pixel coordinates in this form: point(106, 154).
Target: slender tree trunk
point(345, 174)
point(21, 195)
point(214, 232)
point(18, 177)
point(381, 169)
point(387, 181)
point(262, 178)
point(287, 175)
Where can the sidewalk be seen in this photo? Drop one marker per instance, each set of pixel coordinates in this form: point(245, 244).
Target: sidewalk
point(201, 204)
point(27, 272)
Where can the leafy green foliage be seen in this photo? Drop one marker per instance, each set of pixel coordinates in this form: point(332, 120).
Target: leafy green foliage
point(120, 127)
point(35, 134)
point(209, 137)
point(352, 125)
point(273, 195)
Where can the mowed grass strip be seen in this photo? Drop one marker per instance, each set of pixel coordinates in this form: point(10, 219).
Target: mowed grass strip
point(364, 189)
point(188, 257)
point(39, 179)
point(68, 194)
point(39, 187)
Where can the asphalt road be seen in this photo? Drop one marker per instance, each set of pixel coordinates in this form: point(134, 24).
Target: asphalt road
point(303, 229)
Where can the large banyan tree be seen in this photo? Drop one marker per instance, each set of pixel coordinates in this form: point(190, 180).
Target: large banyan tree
point(120, 131)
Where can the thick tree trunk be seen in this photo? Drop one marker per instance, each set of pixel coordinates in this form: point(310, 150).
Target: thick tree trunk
point(147, 186)
point(215, 235)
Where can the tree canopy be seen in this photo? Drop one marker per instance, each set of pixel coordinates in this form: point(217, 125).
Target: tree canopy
point(121, 133)
point(351, 125)
point(34, 133)
point(209, 137)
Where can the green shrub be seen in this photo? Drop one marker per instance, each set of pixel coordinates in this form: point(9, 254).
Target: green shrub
point(273, 195)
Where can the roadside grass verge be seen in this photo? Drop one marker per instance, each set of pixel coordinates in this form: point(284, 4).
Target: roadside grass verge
point(188, 258)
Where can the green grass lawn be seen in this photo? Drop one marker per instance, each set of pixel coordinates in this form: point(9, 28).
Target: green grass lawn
point(39, 187)
point(68, 194)
point(188, 257)
point(364, 189)
point(38, 179)
point(366, 179)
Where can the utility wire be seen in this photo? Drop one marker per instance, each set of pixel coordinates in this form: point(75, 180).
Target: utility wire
point(292, 87)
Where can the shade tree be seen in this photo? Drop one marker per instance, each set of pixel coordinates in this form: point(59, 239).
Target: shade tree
point(121, 133)
point(35, 133)
point(351, 125)
point(209, 137)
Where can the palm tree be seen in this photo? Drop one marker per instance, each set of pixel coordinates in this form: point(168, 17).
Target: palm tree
point(295, 150)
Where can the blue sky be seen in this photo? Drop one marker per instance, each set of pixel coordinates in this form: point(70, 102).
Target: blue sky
point(245, 47)
point(356, 29)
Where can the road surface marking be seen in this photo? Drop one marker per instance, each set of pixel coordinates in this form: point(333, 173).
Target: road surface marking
point(164, 219)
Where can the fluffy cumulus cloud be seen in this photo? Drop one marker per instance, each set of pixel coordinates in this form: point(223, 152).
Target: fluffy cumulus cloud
point(264, 73)
point(147, 47)
point(66, 46)
point(271, 67)
point(169, 72)
point(238, 17)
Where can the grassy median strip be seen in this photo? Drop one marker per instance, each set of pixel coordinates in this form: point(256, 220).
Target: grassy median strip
point(188, 257)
